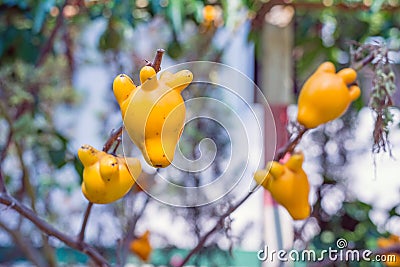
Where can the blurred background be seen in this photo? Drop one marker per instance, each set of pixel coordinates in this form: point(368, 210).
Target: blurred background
point(57, 63)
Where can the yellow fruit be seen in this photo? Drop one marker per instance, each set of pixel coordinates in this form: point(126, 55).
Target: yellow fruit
point(326, 96)
point(145, 73)
point(106, 178)
point(154, 114)
point(209, 13)
point(142, 247)
point(288, 185)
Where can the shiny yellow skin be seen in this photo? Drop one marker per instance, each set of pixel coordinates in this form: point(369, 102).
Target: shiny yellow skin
point(145, 73)
point(326, 95)
point(392, 240)
point(288, 185)
point(106, 178)
point(154, 113)
point(142, 247)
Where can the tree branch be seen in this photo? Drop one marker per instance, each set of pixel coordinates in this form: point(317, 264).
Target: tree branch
point(218, 226)
point(113, 137)
point(131, 230)
point(26, 247)
point(50, 42)
point(288, 148)
point(81, 236)
point(51, 231)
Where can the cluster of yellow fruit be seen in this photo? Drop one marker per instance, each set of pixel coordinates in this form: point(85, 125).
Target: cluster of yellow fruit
point(325, 96)
point(153, 115)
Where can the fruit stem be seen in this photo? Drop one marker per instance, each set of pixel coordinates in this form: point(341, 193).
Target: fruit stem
point(156, 64)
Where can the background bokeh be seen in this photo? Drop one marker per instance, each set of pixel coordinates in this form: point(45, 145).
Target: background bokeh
point(57, 63)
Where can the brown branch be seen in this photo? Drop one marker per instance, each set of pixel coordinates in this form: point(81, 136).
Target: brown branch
point(288, 148)
point(113, 137)
point(6, 146)
point(51, 231)
point(50, 42)
point(218, 226)
point(131, 230)
point(156, 64)
point(357, 66)
point(25, 246)
point(81, 235)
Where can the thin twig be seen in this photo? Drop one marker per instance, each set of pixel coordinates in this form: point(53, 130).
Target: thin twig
point(51, 231)
point(2, 183)
point(50, 42)
point(218, 226)
point(113, 137)
point(288, 148)
point(25, 246)
point(131, 230)
point(156, 64)
point(357, 66)
point(81, 236)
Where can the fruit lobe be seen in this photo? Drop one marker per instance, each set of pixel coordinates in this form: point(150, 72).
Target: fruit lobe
point(106, 178)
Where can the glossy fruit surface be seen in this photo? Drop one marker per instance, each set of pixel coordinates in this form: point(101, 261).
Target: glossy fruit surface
point(326, 95)
point(154, 113)
point(288, 185)
point(106, 178)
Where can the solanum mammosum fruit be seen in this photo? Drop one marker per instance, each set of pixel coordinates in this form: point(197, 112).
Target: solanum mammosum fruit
point(288, 185)
point(106, 178)
point(326, 95)
point(393, 259)
point(154, 112)
point(141, 246)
